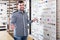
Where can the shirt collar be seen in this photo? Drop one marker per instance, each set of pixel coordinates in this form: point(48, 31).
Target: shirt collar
point(21, 11)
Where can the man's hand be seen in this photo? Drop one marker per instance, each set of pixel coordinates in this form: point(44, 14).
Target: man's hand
point(12, 26)
point(35, 19)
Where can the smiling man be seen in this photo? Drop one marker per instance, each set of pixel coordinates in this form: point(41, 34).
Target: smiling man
point(19, 22)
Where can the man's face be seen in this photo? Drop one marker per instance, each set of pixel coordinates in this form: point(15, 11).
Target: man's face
point(21, 6)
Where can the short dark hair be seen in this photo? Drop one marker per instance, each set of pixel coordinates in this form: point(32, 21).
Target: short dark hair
point(20, 1)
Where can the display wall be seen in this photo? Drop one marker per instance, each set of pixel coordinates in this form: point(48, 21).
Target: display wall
point(11, 8)
point(3, 15)
point(45, 12)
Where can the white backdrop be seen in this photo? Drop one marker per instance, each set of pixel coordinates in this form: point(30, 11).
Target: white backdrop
point(3, 14)
point(45, 12)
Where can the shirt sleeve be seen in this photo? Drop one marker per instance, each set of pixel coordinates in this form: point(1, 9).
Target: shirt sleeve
point(13, 19)
point(29, 21)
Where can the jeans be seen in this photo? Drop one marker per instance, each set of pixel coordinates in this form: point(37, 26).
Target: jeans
point(20, 38)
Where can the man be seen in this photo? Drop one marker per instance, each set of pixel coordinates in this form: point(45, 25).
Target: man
point(19, 23)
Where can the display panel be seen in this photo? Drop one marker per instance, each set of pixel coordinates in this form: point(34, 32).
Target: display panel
point(45, 12)
point(3, 15)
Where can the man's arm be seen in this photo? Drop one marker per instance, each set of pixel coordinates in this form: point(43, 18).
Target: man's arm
point(13, 21)
point(30, 21)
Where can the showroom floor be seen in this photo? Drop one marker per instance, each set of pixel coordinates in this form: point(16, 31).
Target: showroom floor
point(4, 35)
